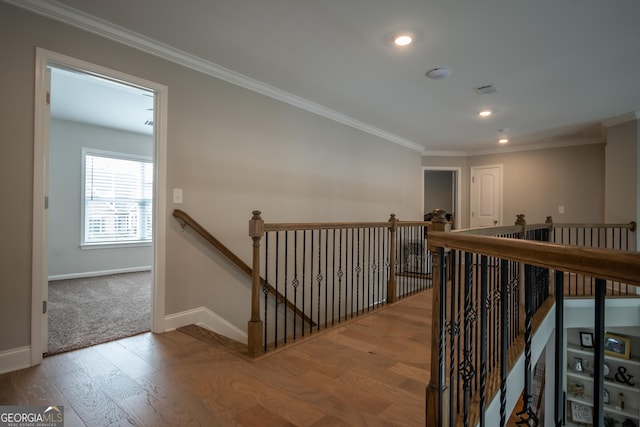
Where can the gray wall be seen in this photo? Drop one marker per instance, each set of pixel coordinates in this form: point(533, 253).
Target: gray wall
point(231, 150)
point(537, 182)
point(66, 258)
point(622, 183)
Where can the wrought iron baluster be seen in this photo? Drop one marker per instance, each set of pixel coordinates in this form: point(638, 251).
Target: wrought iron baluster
point(504, 342)
point(558, 409)
point(295, 283)
point(304, 271)
point(319, 277)
point(467, 369)
point(484, 304)
point(275, 317)
point(527, 416)
point(265, 290)
point(453, 329)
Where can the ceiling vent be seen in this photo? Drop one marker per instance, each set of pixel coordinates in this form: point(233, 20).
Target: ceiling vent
point(486, 89)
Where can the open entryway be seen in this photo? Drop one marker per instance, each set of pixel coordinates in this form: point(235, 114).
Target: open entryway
point(441, 190)
point(98, 204)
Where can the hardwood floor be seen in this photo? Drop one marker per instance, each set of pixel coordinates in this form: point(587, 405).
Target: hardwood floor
point(371, 371)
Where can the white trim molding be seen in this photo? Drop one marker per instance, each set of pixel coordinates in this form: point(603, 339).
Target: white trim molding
point(41, 144)
point(15, 359)
point(207, 319)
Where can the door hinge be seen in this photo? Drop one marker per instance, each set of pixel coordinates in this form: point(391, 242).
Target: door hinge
point(44, 307)
point(46, 202)
point(473, 179)
point(48, 98)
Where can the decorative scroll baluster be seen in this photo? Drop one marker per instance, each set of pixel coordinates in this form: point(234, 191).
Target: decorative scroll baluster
point(286, 269)
point(504, 341)
point(326, 277)
point(265, 291)
point(295, 283)
point(484, 303)
point(466, 368)
point(340, 275)
point(319, 277)
point(453, 329)
point(527, 415)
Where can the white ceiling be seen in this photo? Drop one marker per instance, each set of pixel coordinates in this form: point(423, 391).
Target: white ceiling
point(85, 98)
point(560, 67)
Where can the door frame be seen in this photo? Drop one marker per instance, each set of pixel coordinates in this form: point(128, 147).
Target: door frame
point(458, 198)
point(40, 184)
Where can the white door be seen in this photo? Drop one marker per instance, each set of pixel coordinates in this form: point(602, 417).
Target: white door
point(486, 196)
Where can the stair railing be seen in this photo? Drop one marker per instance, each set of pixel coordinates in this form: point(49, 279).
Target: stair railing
point(186, 220)
point(333, 272)
point(476, 279)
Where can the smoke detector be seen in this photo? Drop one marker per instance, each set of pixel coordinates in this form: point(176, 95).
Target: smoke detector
point(438, 73)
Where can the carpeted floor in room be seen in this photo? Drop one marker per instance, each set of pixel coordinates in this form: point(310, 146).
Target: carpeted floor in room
point(89, 311)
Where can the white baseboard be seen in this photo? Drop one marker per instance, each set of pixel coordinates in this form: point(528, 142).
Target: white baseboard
point(99, 273)
point(15, 359)
point(207, 319)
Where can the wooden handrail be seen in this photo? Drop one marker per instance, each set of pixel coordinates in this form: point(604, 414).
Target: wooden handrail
point(608, 264)
point(186, 219)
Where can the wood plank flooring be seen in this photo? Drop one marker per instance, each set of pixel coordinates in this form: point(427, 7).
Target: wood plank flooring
point(371, 371)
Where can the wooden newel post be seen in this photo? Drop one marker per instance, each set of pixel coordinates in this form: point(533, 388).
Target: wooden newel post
point(523, 235)
point(391, 284)
point(520, 220)
point(254, 329)
point(437, 397)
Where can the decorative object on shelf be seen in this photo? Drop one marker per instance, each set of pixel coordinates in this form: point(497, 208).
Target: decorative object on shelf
point(576, 389)
point(586, 339)
point(617, 345)
point(623, 377)
point(579, 364)
point(605, 397)
point(629, 423)
point(581, 413)
point(605, 370)
point(620, 405)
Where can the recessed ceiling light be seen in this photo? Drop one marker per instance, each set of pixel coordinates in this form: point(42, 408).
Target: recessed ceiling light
point(503, 135)
point(402, 39)
point(438, 73)
point(485, 113)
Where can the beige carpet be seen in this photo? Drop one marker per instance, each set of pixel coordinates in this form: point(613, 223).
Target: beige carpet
point(89, 311)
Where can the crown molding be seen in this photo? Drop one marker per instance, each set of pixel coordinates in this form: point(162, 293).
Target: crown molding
point(503, 150)
point(622, 118)
point(67, 15)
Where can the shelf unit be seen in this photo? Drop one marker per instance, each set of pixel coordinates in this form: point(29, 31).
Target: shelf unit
point(631, 409)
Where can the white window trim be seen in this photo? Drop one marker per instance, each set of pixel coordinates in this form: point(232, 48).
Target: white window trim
point(117, 155)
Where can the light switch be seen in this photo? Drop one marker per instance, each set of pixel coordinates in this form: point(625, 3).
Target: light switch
point(177, 196)
point(561, 209)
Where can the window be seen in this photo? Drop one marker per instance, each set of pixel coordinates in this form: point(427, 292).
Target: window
point(117, 198)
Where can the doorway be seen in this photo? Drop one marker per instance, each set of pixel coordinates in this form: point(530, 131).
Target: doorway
point(441, 190)
point(103, 232)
